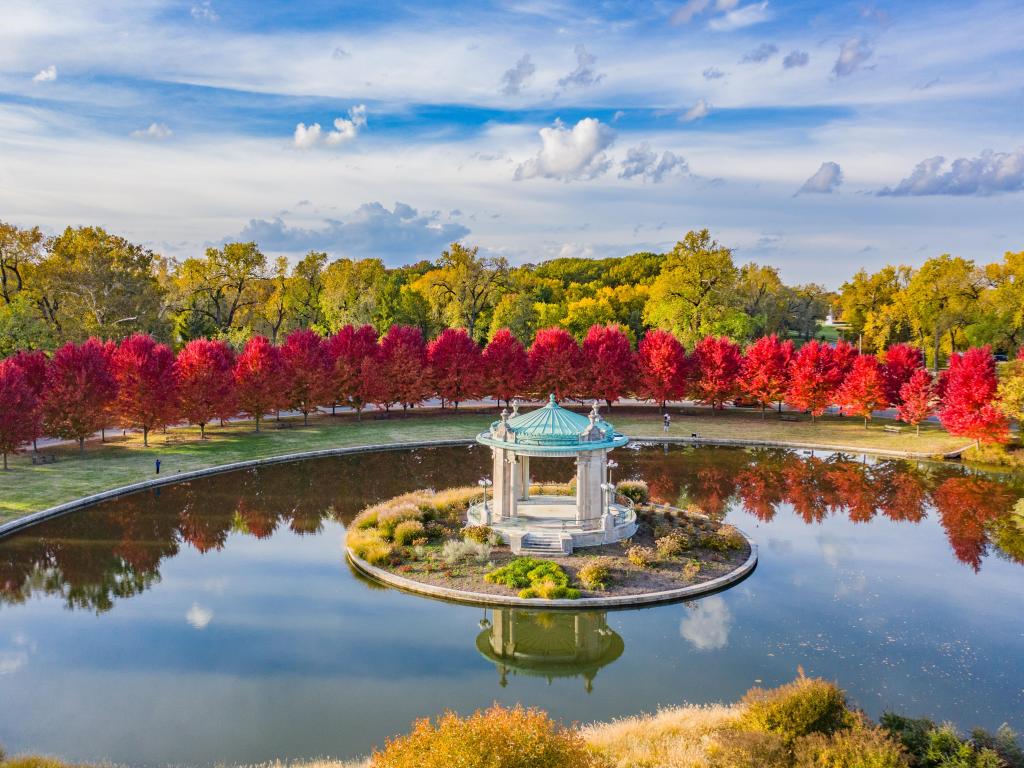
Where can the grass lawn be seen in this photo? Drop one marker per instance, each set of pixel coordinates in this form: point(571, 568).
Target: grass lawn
point(123, 460)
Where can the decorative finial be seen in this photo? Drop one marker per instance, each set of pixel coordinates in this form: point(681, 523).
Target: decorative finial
point(551, 399)
point(504, 416)
point(595, 411)
point(515, 407)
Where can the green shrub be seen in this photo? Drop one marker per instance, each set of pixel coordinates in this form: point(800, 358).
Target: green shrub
point(549, 589)
point(947, 750)
point(408, 531)
point(641, 557)
point(596, 573)
point(727, 538)
point(534, 578)
point(800, 708)
point(851, 748)
point(636, 491)
point(481, 534)
point(911, 733)
point(1003, 742)
point(495, 738)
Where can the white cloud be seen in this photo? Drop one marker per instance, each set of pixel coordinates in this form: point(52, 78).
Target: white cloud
point(744, 16)
point(401, 235)
point(825, 180)
point(852, 55)
point(795, 59)
point(345, 129)
point(45, 75)
point(306, 136)
point(644, 162)
point(706, 627)
point(685, 13)
point(204, 11)
point(340, 54)
point(989, 174)
point(514, 79)
point(698, 111)
point(763, 52)
point(198, 616)
point(585, 75)
point(570, 153)
point(154, 131)
point(348, 129)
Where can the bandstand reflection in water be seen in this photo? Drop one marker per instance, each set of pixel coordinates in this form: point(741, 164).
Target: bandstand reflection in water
point(548, 644)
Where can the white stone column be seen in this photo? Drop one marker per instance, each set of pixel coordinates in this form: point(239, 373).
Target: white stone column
point(504, 484)
point(588, 486)
point(524, 478)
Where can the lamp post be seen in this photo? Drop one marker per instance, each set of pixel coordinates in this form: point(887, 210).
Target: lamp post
point(484, 484)
point(612, 464)
point(608, 489)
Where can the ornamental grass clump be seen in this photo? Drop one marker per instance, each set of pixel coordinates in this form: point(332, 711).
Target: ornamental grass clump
point(455, 551)
point(691, 568)
point(802, 707)
point(636, 491)
point(498, 737)
point(481, 534)
point(596, 573)
point(408, 532)
point(389, 519)
point(449, 504)
point(851, 748)
point(534, 578)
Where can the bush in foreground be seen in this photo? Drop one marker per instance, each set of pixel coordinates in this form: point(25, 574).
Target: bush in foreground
point(534, 578)
point(800, 708)
point(852, 748)
point(596, 573)
point(494, 738)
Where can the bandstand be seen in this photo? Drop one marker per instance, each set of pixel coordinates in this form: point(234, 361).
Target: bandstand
point(549, 524)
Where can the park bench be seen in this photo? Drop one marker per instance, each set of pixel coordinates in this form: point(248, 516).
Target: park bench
point(892, 428)
point(786, 417)
point(44, 458)
point(282, 425)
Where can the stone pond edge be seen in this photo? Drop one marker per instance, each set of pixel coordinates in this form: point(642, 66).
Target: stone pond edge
point(19, 523)
point(617, 601)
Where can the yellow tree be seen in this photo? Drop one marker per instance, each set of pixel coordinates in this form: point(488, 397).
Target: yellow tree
point(465, 286)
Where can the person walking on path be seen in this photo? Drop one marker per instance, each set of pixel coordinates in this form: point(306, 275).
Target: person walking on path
point(666, 422)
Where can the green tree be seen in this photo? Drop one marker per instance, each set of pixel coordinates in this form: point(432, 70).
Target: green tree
point(19, 250)
point(1000, 316)
point(941, 301)
point(764, 299)
point(224, 289)
point(465, 286)
point(516, 312)
point(865, 295)
point(91, 283)
point(694, 296)
point(22, 327)
point(351, 293)
point(807, 305)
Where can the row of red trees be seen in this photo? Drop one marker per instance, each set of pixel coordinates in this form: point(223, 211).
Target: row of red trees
point(143, 385)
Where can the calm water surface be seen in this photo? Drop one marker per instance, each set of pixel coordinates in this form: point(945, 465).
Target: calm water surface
point(217, 620)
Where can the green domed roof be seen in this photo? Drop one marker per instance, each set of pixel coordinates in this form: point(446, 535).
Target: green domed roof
point(552, 429)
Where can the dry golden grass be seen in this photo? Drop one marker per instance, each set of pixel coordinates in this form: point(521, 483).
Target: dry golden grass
point(672, 738)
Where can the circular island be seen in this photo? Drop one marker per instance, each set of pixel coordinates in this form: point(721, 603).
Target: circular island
point(586, 542)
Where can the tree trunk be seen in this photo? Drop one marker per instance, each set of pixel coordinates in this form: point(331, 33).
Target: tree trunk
point(257, 423)
point(456, 406)
point(5, 461)
point(359, 413)
point(334, 409)
point(865, 422)
point(202, 431)
point(81, 445)
point(305, 418)
point(764, 411)
point(145, 437)
point(918, 425)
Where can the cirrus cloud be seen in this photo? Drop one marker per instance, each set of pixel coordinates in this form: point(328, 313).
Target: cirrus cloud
point(698, 111)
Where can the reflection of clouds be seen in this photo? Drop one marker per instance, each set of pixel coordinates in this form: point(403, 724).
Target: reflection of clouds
point(780, 546)
point(12, 661)
point(834, 549)
point(198, 616)
point(852, 584)
point(706, 626)
point(217, 586)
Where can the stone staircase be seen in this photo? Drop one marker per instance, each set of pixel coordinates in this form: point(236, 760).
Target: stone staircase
point(542, 544)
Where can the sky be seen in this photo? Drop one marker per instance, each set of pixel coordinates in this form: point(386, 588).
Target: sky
point(816, 137)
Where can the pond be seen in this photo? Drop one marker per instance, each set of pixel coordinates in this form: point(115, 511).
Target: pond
point(218, 621)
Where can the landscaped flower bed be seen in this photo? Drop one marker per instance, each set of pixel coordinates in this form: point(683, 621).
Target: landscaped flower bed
point(422, 536)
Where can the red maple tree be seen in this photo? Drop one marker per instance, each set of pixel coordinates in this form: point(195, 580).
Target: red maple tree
point(353, 354)
point(765, 371)
point(506, 366)
point(902, 361)
point(863, 389)
point(79, 389)
point(813, 378)
point(402, 375)
point(205, 371)
point(716, 367)
point(968, 391)
point(662, 367)
point(259, 378)
point(456, 367)
point(609, 363)
point(18, 411)
point(555, 363)
point(147, 395)
point(307, 371)
point(917, 399)
point(33, 364)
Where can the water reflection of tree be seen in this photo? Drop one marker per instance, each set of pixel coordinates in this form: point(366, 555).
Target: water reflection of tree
point(111, 551)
